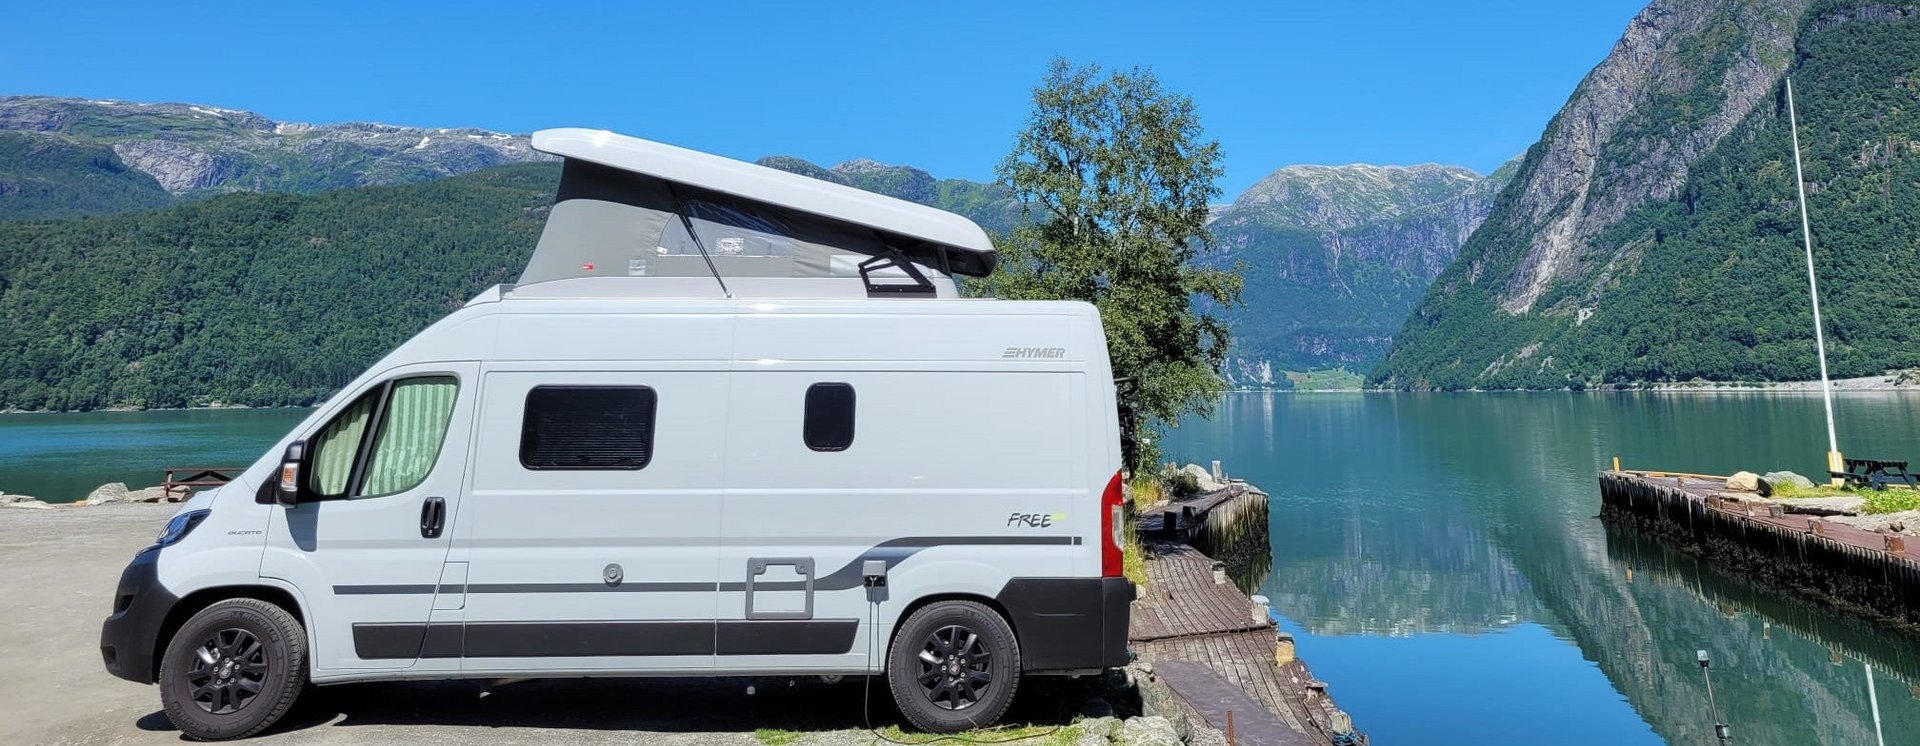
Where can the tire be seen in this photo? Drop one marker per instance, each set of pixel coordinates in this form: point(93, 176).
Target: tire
point(969, 674)
point(258, 666)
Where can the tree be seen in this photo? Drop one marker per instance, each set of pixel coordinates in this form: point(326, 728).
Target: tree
point(1116, 175)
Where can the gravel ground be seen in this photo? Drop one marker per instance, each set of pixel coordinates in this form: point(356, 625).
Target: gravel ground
point(58, 568)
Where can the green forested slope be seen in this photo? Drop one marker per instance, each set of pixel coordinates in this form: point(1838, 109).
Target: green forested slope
point(256, 299)
point(46, 178)
point(1711, 283)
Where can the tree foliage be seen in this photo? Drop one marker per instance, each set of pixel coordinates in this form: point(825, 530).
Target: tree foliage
point(255, 299)
point(1116, 176)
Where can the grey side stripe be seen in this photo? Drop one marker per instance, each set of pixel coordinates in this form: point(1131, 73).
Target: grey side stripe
point(893, 551)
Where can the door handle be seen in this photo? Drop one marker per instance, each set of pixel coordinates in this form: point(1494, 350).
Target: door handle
point(433, 517)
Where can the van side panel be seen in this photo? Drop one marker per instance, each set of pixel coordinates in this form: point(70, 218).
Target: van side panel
point(577, 569)
point(962, 475)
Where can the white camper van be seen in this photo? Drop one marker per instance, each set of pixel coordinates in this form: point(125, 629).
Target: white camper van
point(729, 421)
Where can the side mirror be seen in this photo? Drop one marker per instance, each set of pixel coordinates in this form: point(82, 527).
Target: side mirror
point(287, 490)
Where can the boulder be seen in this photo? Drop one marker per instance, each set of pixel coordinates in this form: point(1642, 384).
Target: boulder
point(114, 492)
point(1148, 731)
point(22, 501)
point(1825, 505)
point(1097, 730)
point(1781, 478)
point(1201, 476)
point(1745, 481)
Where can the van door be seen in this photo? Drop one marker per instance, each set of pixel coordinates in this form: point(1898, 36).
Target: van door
point(367, 556)
point(596, 507)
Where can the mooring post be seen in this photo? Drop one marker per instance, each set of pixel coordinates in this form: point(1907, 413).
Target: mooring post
point(1260, 611)
point(1616, 463)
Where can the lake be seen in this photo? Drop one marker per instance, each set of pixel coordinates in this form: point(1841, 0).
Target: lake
point(62, 457)
point(1437, 556)
point(1439, 560)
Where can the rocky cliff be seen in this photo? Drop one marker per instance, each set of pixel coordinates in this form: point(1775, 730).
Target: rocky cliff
point(1334, 256)
point(1651, 234)
point(182, 149)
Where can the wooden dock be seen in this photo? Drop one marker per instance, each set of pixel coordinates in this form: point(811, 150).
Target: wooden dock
point(1218, 652)
point(1868, 573)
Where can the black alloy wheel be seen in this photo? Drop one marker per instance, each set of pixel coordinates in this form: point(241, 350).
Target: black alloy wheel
point(228, 671)
point(953, 665)
point(233, 669)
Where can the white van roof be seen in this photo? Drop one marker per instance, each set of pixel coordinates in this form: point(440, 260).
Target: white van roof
point(950, 233)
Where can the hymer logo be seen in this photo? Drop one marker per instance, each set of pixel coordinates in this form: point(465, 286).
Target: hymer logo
point(1034, 353)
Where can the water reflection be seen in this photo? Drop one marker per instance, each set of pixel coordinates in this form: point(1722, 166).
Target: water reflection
point(1442, 556)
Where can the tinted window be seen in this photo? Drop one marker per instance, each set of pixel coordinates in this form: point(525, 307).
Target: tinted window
point(587, 427)
point(829, 418)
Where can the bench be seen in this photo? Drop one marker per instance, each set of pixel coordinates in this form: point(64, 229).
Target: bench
point(1876, 473)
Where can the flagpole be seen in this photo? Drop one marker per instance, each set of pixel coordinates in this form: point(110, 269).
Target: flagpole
point(1813, 286)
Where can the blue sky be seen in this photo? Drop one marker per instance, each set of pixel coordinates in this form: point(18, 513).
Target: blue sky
point(939, 86)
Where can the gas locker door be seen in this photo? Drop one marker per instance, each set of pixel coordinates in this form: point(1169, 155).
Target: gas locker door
point(596, 520)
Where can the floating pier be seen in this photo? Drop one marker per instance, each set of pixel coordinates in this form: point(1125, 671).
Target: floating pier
point(1867, 573)
point(1214, 646)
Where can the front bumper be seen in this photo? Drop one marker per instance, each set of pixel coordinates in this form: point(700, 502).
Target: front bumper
point(1069, 624)
point(140, 606)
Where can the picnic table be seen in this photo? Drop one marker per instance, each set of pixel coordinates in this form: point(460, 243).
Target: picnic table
point(1876, 473)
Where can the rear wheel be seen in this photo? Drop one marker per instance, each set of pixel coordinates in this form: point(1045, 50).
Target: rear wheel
point(233, 669)
point(953, 665)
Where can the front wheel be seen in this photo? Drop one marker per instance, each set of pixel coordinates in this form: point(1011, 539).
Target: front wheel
point(233, 669)
point(953, 665)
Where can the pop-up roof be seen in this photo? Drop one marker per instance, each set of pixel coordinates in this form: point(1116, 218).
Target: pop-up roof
point(628, 207)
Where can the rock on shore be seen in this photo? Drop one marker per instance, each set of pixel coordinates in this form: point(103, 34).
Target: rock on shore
point(22, 501)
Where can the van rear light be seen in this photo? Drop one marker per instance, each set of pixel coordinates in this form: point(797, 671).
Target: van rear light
point(1113, 522)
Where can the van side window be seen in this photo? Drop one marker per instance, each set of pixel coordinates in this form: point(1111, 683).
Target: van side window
point(829, 417)
point(411, 430)
point(385, 443)
point(588, 427)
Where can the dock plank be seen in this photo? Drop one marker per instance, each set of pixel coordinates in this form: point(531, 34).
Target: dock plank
point(1189, 622)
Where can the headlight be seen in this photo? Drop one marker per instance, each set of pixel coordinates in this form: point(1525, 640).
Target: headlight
point(180, 526)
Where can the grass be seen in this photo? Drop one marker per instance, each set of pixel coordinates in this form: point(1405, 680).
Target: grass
point(1026, 735)
point(1890, 500)
point(1332, 379)
point(776, 736)
point(1144, 490)
point(1133, 558)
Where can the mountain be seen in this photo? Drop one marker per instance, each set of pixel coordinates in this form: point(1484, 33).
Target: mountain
point(1652, 233)
point(1335, 256)
point(255, 299)
point(991, 205)
point(62, 156)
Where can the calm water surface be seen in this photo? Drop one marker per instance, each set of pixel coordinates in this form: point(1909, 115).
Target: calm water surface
point(1436, 555)
point(1439, 559)
point(62, 457)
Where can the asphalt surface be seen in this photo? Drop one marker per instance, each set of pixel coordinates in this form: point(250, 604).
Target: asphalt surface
point(58, 569)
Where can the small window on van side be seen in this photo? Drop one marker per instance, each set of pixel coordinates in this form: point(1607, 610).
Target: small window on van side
point(588, 427)
point(829, 417)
